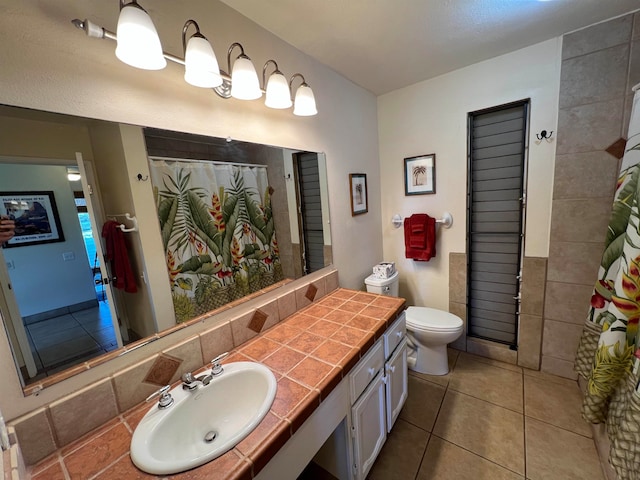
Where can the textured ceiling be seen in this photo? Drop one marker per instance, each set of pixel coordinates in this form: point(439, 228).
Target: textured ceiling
point(383, 45)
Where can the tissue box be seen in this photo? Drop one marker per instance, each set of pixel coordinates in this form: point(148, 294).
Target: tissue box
point(384, 270)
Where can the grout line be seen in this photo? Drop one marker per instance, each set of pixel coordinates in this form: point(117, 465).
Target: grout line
point(559, 427)
point(524, 428)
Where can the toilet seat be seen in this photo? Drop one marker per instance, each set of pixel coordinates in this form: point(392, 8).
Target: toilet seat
point(427, 319)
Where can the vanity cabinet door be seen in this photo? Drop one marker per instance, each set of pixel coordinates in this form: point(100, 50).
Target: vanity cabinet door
point(368, 426)
point(397, 389)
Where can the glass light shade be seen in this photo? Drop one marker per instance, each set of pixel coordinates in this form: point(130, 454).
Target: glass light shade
point(138, 42)
point(305, 103)
point(200, 64)
point(244, 80)
point(73, 174)
point(278, 94)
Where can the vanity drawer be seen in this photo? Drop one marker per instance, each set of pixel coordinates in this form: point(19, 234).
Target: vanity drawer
point(394, 335)
point(366, 370)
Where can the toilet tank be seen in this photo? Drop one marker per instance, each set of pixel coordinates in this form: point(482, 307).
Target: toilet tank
point(383, 286)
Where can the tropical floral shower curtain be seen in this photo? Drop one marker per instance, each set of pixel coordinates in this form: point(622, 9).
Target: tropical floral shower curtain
point(217, 230)
point(608, 355)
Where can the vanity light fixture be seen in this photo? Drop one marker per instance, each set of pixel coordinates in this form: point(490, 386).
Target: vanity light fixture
point(278, 93)
point(200, 62)
point(138, 42)
point(244, 79)
point(138, 45)
point(305, 102)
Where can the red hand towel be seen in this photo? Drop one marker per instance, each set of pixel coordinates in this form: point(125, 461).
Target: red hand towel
point(117, 255)
point(418, 236)
point(429, 249)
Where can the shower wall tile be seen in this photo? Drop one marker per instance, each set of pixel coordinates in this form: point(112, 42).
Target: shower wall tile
point(585, 128)
point(529, 341)
point(598, 37)
point(596, 77)
point(534, 274)
point(556, 366)
point(567, 302)
point(496, 351)
point(577, 175)
point(634, 66)
point(574, 262)
point(458, 277)
point(580, 220)
point(460, 310)
point(561, 340)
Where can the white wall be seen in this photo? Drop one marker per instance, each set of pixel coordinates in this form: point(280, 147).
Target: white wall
point(56, 67)
point(431, 117)
point(41, 279)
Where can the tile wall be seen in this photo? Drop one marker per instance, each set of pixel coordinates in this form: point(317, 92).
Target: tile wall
point(600, 65)
point(534, 272)
point(60, 423)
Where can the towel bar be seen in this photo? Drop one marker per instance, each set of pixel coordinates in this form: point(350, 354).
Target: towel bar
point(446, 221)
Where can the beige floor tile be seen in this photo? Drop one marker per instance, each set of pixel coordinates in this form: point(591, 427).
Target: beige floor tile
point(443, 380)
point(559, 405)
point(491, 431)
point(491, 361)
point(487, 382)
point(548, 377)
point(446, 461)
point(554, 453)
point(423, 403)
point(402, 453)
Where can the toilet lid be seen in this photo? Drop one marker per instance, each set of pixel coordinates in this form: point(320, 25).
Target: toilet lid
point(425, 318)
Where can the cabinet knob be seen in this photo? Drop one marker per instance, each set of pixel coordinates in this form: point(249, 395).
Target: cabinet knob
point(371, 371)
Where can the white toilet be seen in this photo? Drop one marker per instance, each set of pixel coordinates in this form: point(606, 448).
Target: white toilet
point(429, 330)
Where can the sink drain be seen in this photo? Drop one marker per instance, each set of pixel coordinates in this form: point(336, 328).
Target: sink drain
point(210, 436)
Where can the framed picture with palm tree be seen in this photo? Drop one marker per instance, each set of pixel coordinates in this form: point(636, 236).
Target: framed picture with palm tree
point(420, 174)
point(359, 197)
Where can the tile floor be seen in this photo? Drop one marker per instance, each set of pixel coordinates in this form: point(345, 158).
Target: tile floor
point(489, 420)
point(60, 342)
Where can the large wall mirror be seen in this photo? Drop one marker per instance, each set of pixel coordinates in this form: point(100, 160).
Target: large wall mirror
point(122, 231)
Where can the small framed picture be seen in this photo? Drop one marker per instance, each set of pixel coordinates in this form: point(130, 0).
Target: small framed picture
point(35, 215)
point(359, 201)
point(420, 175)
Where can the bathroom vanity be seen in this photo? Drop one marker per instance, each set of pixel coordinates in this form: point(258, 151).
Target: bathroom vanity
point(340, 365)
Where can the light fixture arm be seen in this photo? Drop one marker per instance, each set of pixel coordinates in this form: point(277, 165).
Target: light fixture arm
point(264, 72)
point(231, 47)
point(184, 33)
point(304, 83)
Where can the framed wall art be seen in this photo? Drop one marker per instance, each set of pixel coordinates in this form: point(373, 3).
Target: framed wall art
point(359, 200)
point(35, 215)
point(420, 175)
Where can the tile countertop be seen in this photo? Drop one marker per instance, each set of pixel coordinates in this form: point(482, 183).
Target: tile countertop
point(309, 352)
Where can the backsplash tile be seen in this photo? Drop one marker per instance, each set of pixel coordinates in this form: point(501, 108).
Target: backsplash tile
point(311, 292)
point(240, 329)
point(35, 431)
point(216, 341)
point(257, 321)
point(331, 282)
point(129, 384)
point(287, 305)
point(162, 370)
point(190, 353)
point(81, 412)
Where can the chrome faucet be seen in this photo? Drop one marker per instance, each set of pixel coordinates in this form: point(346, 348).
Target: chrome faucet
point(189, 382)
point(165, 398)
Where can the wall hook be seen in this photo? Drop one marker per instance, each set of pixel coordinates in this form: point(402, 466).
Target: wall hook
point(544, 135)
point(141, 178)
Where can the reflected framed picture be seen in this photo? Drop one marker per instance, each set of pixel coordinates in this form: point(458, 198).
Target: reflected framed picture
point(359, 201)
point(420, 175)
point(35, 215)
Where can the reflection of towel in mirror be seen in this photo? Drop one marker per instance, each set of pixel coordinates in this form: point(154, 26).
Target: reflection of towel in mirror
point(420, 237)
point(117, 255)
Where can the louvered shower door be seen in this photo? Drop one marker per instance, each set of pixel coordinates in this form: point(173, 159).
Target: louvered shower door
point(497, 151)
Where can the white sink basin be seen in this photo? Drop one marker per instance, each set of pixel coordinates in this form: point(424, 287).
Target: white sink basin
point(230, 407)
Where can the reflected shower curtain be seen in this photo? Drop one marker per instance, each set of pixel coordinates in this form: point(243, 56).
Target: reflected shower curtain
point(608, 356)
point(217, 230)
